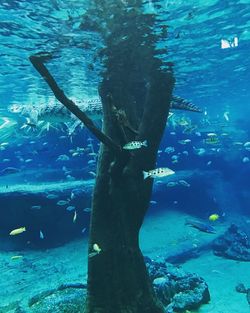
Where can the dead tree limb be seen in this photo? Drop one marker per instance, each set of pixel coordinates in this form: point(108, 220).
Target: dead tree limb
point(38, 62)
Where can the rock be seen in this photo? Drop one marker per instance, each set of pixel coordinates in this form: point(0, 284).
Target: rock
point(248, 296)
point(241, 288)
point(177, 289)
point(66, 300)
point(11, 307)
point(233, 244)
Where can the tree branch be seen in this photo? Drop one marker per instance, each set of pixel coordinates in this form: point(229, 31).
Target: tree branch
point(37, 61)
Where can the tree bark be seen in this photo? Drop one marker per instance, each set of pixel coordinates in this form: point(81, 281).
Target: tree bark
point(117, 277)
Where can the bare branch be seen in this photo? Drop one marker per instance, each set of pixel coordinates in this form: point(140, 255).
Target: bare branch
point(38, 62)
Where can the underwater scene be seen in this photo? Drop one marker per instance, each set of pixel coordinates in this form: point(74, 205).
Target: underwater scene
point(124, 156)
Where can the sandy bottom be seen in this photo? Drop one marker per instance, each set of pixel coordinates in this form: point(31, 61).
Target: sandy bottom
point(161, 235)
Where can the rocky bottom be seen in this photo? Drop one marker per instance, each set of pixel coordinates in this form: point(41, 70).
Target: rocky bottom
point(177, 289)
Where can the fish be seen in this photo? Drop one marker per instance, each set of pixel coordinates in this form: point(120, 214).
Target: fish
point(96, 250)
point(184, 183)
point(70, 208)
point(16, 257)
point(159, 172)
point(169, 149)
point(62, 202)
point(62, 157)
point(247, 145)
point(211, 134)
point(51, 196)
point(87, 210)
point(74, 217)
point(17, 231)
point(245, 160)
point(172, 184)
point(204, 227)
point(41, 235)
point(132, 145)
point(213, 140)
point(36, 207)
point(184, 141)
point(213, 217)
point(226, 117)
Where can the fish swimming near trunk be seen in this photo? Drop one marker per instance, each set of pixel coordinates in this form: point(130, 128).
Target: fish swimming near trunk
point(204, 227)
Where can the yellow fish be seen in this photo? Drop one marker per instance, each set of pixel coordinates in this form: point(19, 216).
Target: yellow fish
point(16, 257)
point(96, 249)
point(17, 231)
point(213, 217)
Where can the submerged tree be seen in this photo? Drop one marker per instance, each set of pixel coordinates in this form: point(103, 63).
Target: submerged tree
point(136, 91)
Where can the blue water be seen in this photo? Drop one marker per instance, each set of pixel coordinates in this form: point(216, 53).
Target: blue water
point(215, 174)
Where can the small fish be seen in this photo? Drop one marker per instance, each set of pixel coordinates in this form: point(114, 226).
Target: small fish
point(74, 217)
point(247, 145)
point(87, 210)
point(17, 231)
point(211, 134)
point(226, 117)
point(159, 172)
point(184, 183)
point(36, 207)
point(70, 208)
point(245, 160)
point(16, 257)
point(201, 226)
point(153, 202)
point(62, 157)
point(51, 196)
point(96, 250)
point(41, 235)
point(135, 145)
point(62, 202)
point(169, 149)
point(213, 140)
point(184, 141)
point(28, 160)
point(213, 217)
point(172, 184)
point(83, 230)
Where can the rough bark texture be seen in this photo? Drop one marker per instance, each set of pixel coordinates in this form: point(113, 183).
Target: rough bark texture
point(134, 86)
point(117, 277)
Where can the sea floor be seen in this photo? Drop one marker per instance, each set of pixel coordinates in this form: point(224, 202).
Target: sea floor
point(161, 235)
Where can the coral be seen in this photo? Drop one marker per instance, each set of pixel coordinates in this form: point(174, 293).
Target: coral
point(177, 289)
point(233, 244)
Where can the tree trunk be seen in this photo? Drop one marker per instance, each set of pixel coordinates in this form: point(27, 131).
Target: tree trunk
point(117, 277)
point(136, 97)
